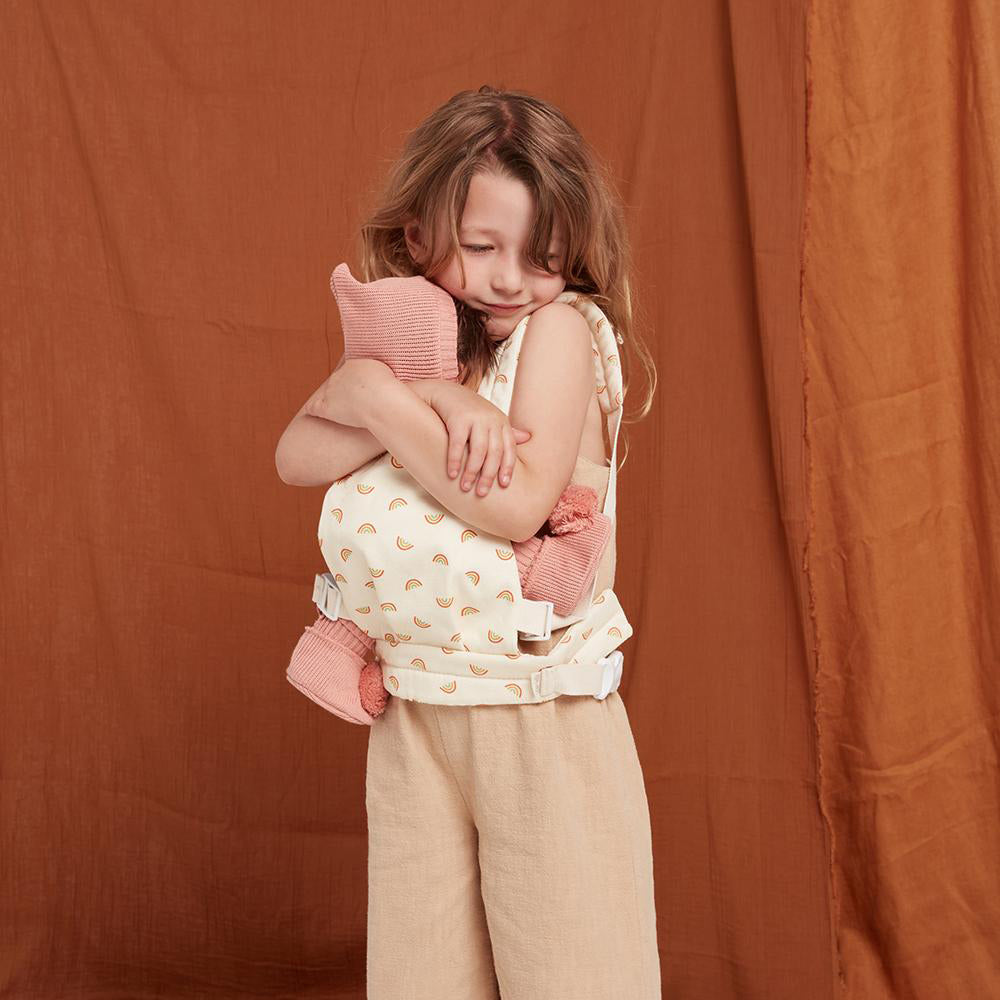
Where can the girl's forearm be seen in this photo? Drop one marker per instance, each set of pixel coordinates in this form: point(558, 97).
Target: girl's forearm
point(409, 429)
point(314, 452)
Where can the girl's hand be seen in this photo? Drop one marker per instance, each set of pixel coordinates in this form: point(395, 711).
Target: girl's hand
point(473, 420)
point(353, 381)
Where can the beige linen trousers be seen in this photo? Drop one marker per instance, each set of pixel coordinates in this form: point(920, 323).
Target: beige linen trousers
point(510, 854)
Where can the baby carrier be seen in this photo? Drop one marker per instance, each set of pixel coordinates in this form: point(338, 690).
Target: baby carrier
point(443, 600)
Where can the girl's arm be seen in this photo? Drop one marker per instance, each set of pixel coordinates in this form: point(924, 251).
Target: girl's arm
point(313, 451)
point(555, 378)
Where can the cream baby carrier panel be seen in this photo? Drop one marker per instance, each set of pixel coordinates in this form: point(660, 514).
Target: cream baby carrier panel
point(442, 600)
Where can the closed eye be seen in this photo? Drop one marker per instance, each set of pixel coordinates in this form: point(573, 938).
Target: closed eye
point(480, 248)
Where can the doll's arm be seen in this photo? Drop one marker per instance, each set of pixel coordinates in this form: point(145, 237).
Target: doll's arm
point(560, 566)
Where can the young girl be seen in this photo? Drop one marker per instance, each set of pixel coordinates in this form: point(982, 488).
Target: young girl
point(509, 840)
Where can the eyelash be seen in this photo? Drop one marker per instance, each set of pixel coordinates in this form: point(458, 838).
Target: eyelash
point(475, 248)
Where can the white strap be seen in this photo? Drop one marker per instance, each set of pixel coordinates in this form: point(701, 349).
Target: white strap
point(612, 493)
point(598, 679)
point(534, 618)
point(327, 596)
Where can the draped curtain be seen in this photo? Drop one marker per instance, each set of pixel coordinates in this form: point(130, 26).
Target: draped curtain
point(807, 519)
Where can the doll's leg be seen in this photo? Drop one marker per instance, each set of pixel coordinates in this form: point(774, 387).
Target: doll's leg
point(565, 848)
point(427, 934)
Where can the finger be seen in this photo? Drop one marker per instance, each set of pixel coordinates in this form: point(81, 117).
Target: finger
point(509, 456)
point(478, 443)
point(458, 434)
point(521, 435)
point(488, 473)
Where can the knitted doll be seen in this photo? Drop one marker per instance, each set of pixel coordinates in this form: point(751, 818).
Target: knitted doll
point(410, 324)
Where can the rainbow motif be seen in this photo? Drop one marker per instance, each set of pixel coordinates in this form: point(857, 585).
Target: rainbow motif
point(473, 576)
point(505, 595)
point(339, 578)
point(586, 635)
point(392, 460)
point(444, 602)
point(338, 513)
point(440, 558)
point(615, 631)
point(364, 488)
point(494, 636)
point(344, 553)
point(418, 663)
point(402, 543)
point(376, 572)
point(367, 529)
point(396, 503)
point(478, 671)
point(394, 681)
point(412, 584)
point(469, 534)
point(514, 689)
point(457, 637)
point(364, 610)
point(433, 518)
point(469, 610)
point(388, 606)
point(504, 554)
point(450, 687)
point(420, 623)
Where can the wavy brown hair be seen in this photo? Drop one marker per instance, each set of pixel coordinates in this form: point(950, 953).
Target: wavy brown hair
point(525, 138)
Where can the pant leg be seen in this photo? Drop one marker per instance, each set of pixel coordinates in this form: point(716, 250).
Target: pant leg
point(565, 849)
point(427, 933)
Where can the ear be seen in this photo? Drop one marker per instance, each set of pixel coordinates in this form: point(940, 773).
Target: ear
point(414, 241)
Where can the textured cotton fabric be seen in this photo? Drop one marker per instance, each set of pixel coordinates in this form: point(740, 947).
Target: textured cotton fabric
point(509, 854)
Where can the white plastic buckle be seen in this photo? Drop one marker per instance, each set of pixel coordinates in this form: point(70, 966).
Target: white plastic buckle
point(324, 588)
point(546, 632)
point(612, 674)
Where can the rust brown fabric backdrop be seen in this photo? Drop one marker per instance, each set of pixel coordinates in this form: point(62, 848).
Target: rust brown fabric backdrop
point(807, 520)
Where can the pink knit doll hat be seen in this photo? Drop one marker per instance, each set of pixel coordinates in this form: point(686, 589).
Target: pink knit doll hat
point(409, 324)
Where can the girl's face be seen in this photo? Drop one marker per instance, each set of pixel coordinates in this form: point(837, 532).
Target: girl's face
point(493, 233)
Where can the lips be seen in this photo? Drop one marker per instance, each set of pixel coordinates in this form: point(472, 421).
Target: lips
point(500, 308)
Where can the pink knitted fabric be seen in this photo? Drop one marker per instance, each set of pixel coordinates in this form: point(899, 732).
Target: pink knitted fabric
point(559, 567)
point(371, 689)
point(327, 665)
point(409, 324)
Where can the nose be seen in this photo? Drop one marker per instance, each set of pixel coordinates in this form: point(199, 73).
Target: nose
point(508, 278)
